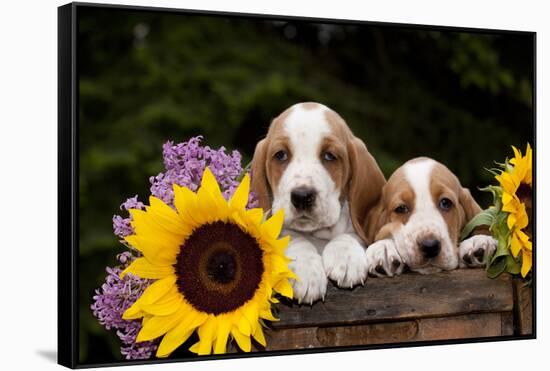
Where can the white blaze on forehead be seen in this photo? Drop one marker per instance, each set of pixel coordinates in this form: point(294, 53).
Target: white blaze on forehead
point(306, 126)
point(305, 129)
point(418, 174)
point(425, 220)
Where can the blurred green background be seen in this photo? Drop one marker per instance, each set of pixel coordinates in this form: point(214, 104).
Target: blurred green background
point(148, 77)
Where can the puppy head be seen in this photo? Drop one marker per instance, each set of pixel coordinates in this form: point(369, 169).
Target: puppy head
point(309, 164)
point(427, 208)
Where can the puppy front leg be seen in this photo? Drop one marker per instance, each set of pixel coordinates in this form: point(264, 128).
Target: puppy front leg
point(307, 264)
point(476, 250)
point(345, 261)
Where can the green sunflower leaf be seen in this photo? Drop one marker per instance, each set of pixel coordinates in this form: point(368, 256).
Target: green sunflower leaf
point(496, 268)
point(502, 249)
point(512, 266)
point(485, 217)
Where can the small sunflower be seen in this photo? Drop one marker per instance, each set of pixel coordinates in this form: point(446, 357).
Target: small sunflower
point(516, 182)
point(215, 264)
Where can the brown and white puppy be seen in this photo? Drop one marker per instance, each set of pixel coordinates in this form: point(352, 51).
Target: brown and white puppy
point(418, 221)
point(312, 166)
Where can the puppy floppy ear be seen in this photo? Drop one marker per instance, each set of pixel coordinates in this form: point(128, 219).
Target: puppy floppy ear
point(365, 184)
point(376, 219)
point(258, 182)
point(469, 205)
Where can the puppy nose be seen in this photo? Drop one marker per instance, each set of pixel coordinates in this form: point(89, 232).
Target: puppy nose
point(302, 198)
point(430, 247)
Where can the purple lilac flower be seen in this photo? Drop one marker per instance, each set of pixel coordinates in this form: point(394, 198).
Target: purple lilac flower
point(111, 301)
point(185, 162)
point(122, 226)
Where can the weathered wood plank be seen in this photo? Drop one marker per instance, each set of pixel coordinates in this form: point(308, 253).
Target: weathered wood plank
point(460, 327)
point(404, 297)
point(507, 323)
point(456, 327)
point(524, 302)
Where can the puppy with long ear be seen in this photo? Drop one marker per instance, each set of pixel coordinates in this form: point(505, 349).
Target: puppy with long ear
point(312, 166)
point(418, 222)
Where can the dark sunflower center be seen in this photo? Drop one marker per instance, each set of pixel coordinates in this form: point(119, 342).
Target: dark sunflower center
point(219, 267)
point(524, 192)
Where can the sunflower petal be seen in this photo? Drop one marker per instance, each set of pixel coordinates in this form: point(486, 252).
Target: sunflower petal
point(151, 294)
point(224, 327)
point(268, 315)
point(511, 221)
point(195, 347)
point(165, 216)
point(507, 182)
point(250, 312)
point(156, 251)
point(281, 245)
point(206, 335)
point(272, 226)
point(517, 153)
point(515, 245)
point(279, 264)
point(256, 215)
point(166, 346)
point(239, 200)
point(527, 263)
point(164, 307)
point(179, 334)
point(259, 336)
point(185, 201)
point(243, 324)
point(243, 341)
point(141, 267)
point(284, 288)
point(159, 325)
point(145, 225)
point(212, 204)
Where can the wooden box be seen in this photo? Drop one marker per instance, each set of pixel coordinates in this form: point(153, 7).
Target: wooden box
point(461, 304)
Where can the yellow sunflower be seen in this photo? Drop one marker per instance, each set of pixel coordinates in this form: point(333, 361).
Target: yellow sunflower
point(216, 267)
point(516, 183)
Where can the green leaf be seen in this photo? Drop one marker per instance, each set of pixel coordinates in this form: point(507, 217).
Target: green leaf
point(485, 217)
point(512, 266)
point(502, 249)
point(500, 226)
point(496, 268)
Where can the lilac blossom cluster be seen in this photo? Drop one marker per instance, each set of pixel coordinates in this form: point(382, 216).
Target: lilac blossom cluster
point(184, 165)
point(185, 162)
point(121, 226)
point(111, 301)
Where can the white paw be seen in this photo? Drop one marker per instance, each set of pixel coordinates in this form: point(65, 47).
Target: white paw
point(345, 261)
point(383, 259)
point(474, 251)
point(307, 264)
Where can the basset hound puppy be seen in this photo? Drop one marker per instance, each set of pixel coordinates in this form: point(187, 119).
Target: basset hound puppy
point(312, 166)
point(418, 221)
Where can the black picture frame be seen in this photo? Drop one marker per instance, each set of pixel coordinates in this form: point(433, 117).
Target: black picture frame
point(68, 191)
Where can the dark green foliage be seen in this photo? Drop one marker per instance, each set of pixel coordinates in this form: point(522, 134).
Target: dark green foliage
point(145, 78)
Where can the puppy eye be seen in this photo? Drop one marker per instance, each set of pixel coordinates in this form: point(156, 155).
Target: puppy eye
point(328, 156)
point(281, 156)
point(401, 209)
point(445, 204)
